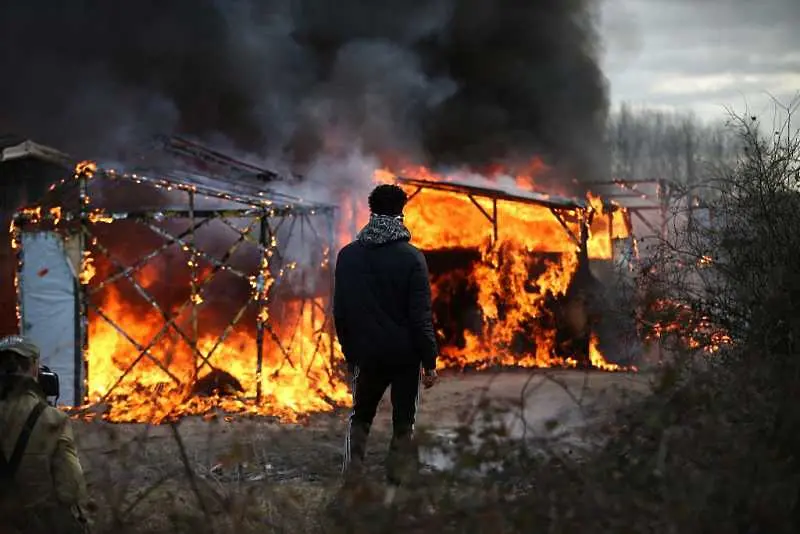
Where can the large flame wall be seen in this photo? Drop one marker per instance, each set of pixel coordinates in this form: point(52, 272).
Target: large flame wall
point(298, 373)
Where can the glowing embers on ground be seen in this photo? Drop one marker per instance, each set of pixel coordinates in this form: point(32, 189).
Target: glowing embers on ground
point(666, 319)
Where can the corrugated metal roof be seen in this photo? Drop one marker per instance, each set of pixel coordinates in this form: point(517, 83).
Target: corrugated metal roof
point(29, 149)
point(246, 190)
point(231, 193)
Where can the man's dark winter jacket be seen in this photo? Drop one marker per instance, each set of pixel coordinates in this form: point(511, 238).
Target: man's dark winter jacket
point(382, 300)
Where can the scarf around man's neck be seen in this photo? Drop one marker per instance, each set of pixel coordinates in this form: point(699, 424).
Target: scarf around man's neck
point(383, 229)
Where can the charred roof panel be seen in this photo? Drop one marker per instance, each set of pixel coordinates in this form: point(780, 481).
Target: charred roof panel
point(497, 193)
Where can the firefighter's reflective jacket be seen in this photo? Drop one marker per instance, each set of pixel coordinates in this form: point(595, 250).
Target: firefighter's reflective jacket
point(41, 480)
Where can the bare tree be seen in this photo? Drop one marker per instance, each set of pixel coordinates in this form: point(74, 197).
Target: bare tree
point(650, 144)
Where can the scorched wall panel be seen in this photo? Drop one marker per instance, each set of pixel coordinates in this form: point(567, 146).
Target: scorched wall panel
point(47, 288)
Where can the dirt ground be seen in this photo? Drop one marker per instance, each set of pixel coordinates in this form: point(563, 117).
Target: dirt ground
point(312, 450)
point(125, 464)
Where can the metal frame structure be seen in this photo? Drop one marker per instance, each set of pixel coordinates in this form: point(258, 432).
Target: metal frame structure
point(264, 210)
point(626, 191)
point(557, 205)
point(630, 195)
point(199, 153)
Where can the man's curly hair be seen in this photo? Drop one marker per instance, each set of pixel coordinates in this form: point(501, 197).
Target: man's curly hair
point(388, 200)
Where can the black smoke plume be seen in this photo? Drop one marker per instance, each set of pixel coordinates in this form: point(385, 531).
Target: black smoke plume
point(441, 82)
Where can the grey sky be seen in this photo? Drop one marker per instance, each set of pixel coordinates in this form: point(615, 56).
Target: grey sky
point(702, 55)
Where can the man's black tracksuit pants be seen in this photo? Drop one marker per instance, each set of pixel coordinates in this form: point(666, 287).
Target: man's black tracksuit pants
point(369, 385)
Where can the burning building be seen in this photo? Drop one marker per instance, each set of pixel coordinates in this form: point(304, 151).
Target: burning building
point(512, 269)
point(164, 292)
point(168, 295)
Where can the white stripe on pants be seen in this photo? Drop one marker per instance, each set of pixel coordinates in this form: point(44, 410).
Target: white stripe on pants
point(417, 399)
point(346, 462)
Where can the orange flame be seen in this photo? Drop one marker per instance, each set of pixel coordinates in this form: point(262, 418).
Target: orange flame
point(507, 296)
point(295, 380)
point(606, 226)
point(88, 269)
point(86, 167)
point(506, 286)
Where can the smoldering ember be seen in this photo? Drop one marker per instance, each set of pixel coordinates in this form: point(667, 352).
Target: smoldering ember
point(179, 179)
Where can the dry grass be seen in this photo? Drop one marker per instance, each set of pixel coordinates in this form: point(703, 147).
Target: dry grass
point(248, 475)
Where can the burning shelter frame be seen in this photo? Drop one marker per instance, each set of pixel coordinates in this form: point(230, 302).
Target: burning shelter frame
point(264, 208)
point(557, 205)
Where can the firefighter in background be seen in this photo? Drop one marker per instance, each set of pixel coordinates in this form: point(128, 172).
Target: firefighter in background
point(42, 487)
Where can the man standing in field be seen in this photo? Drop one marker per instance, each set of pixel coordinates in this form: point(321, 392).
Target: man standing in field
point(382, 310)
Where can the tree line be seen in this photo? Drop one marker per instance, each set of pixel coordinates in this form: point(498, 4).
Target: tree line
point(679, 147)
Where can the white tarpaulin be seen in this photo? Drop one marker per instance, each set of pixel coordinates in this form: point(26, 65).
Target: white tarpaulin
point(48, 307)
